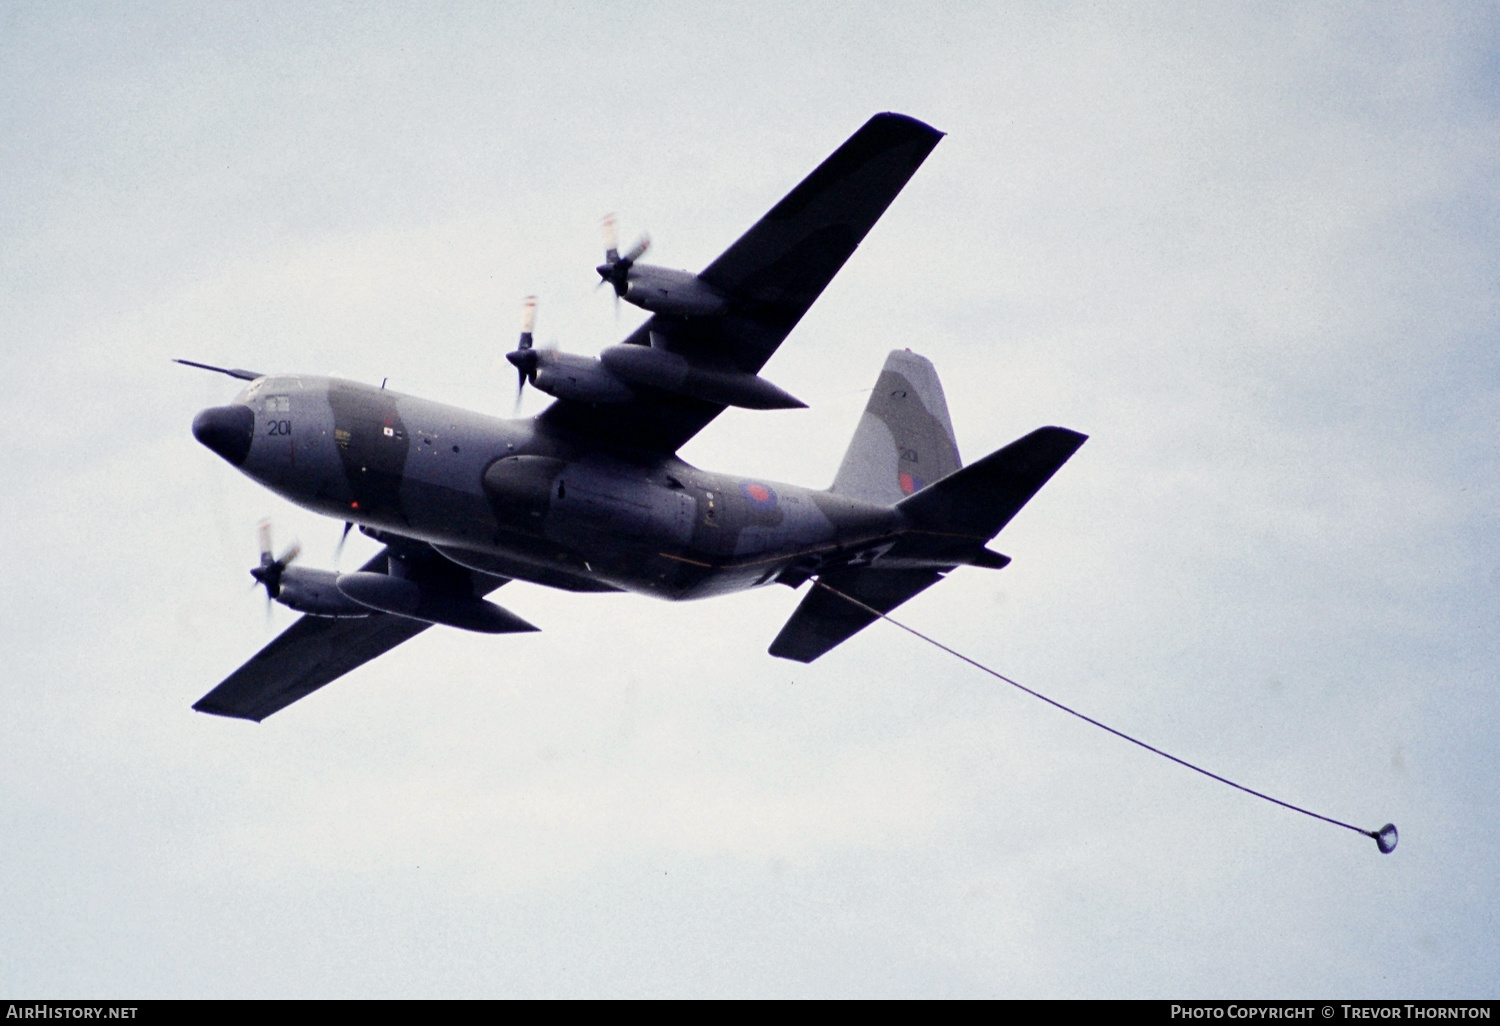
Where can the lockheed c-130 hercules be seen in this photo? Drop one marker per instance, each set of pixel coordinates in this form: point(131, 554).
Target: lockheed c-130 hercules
point(589, 495)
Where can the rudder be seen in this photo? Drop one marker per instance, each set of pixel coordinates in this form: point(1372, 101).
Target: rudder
point(904, 440)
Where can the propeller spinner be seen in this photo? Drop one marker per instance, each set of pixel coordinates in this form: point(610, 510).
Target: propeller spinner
point(616, 268)
point(268, 573)
point(524, 358)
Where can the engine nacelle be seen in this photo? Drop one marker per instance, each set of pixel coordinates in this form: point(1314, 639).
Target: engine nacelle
point(676, 293)
point(316, 593)
point(581, 378)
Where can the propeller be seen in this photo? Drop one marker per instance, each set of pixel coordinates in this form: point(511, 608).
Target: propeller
point(269, 572)
point(338, 550)
point(523, 357)
point(616, 268)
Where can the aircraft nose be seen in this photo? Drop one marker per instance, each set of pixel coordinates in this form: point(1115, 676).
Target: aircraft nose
point(227, 430)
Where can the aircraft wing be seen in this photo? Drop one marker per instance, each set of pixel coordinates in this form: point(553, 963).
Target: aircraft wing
point(771, 276)
point(314, 651)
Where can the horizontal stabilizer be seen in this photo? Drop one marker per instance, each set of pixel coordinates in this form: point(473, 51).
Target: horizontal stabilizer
point(824, 619)
point(980, 499)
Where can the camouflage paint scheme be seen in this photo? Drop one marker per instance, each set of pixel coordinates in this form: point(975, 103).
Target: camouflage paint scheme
point(590, 495)
point(501, 496)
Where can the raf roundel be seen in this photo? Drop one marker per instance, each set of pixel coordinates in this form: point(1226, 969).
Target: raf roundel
point(760, 496)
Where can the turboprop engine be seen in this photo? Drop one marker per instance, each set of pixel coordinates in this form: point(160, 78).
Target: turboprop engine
point(402, 591)
point(678, 293)
point(609, 377)
point(304, 589)
point(658, 289)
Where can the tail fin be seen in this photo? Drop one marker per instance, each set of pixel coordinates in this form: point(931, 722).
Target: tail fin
point(904, 441)
point(949, 522)
point(980, 499)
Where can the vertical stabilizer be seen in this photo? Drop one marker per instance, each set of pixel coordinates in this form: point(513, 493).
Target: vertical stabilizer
point(904, 441)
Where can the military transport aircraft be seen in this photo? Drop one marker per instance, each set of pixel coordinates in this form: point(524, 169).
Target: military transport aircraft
point(589, 495)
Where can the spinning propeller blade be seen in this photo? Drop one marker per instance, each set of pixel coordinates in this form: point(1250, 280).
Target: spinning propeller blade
point(524, 357)
point(616, 268)
point(268, 572)
point(611, 238)
point(639, 250)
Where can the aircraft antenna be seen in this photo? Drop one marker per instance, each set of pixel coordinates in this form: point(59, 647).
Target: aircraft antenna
point(1385, 838)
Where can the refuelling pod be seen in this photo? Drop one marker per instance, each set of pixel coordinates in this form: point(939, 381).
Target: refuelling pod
point(654, 366)
point(389, 594)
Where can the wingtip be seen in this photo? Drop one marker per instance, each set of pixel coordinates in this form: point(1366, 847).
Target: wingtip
point(897, 116)
point(789, 655)
point(1076, 437)
point(208, 710)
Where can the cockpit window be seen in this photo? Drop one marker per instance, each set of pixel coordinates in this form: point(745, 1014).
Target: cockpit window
point(278, 404)
point(250, 391)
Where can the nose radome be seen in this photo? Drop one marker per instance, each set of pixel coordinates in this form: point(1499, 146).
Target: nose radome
point(227, 430)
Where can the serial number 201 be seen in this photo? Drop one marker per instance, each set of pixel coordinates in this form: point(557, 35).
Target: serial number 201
point(278, 427)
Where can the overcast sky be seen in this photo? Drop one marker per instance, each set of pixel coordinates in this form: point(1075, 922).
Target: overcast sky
point(1249, 249)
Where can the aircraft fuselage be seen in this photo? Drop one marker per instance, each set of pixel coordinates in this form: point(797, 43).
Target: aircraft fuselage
point(507, 498)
